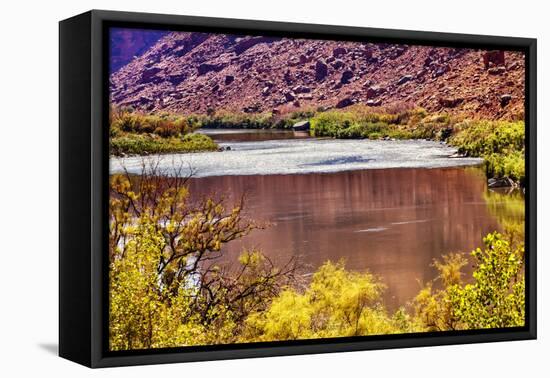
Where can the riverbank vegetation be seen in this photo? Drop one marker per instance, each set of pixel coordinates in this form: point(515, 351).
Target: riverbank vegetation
point(132, 144)
point(133, 133)
point(169, 287)
point(500, 143)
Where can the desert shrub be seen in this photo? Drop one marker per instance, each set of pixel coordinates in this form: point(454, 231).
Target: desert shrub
point(167, 286)
point(124, 122)
point(143, 314)
point(134, 145)
point(399, 108)
point(483, 138)
point(360, 122)
point(434, 127)
point(229, 120)
point(511, 165)
point(365, 125)
point(500, 143)
point(165, 125)
point(432, 308)
point(494, 299)
point(198, 142)
point(168, 127)
point(330, 122)
point(139, 144)
point(336, 303)
point(344, 125)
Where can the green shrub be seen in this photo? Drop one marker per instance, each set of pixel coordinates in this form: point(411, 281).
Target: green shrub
point(500, 143)
point(137, 133)
point(139, 144)
point(165, 125)
point(483, 138)
point(233, 121)
point(336, 303)
point(510, 165)
point(354, 125)
point(495, 298)
point(434, 127)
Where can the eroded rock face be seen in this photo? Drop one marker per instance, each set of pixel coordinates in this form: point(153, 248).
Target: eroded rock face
point(254, 108)
point(338, 64)
point(450, 102)
point(375, 91)
point(249, 42)
point(194, 72)
point(205, 68)
point(339, 51)
point(176, 79)
point(493, 58)
point(505, 99)
point(374, 102)
point(346, 77)
point(229, 79)
point(290, 96)
point(301, 89)
point(396, 51)
point(321, 70)
point(497, 70)
point(404, 79)
point(150, 74)
point(345, 102)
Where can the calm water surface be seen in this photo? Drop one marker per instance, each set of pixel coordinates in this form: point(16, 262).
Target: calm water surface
point(392, 222)
point(251, 135)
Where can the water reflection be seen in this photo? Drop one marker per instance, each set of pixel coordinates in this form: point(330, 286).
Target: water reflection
point(252, 135)
point(393, 222)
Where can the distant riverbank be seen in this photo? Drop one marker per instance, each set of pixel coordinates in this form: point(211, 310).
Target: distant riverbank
point(501, 144)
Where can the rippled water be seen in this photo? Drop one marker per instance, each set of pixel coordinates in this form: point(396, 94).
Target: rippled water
point(300, 156)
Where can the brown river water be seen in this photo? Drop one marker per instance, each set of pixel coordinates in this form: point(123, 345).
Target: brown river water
point(391, 222)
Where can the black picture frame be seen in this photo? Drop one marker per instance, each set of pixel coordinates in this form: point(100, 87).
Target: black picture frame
point(83, 181)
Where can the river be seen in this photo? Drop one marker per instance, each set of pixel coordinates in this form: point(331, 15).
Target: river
point(389, 207)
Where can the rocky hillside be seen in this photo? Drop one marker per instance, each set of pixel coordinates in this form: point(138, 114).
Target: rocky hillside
point(198, 73)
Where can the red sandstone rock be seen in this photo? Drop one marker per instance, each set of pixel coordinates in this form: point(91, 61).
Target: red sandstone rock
point(184, 72)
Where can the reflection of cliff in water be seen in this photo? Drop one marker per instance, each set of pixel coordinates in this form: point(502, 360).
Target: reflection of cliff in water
point(393, 222)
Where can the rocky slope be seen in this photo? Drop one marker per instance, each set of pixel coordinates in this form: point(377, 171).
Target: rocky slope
point(198, 73)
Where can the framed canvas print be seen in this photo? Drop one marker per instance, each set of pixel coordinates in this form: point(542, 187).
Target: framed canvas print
point(234, 188)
